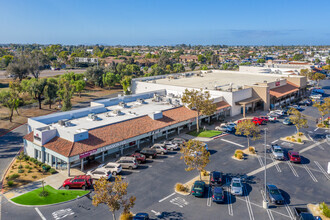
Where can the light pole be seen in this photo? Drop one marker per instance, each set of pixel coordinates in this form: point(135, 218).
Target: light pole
point(265, 202)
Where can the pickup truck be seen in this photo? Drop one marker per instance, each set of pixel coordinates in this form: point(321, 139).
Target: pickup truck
point(302, 214)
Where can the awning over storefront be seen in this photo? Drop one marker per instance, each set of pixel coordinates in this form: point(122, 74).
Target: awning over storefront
point(248, 101)
point(284, 90)
point(222, 105)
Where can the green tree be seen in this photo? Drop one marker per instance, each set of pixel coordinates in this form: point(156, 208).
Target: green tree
point(323, 108)
point(192, 65)
point(199, 101)
point(297, 119)
point(113, 194)
point(19, 67)
point(5, 60)
point(64, 56)
point(79, 86)
point(178, 68)
point(35, 87)
point(11, 98)
point(204, 67)
point(225, 66)
point(318, 77)
point(195, 156)
point(317, 60)
point(327, 61)
point(126, 84)
point(111, 79)
point(201, 59)
point(51, 91)
point(95, 75)
point(261, 60)
point(298, 57)
point(36, 62)
point(248, 129)
point(65, 92)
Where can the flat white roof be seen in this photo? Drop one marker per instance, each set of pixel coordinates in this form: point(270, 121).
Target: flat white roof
point(221, 79)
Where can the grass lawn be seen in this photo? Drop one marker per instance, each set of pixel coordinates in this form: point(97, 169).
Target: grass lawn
point(54, 196)
point(206, 133)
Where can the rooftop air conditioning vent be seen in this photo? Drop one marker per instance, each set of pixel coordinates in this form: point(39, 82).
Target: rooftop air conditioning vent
point(141, 101)
point(92, 117)
point(122, 104)
point(62, 122)
point(265, 81)
point(117, 112)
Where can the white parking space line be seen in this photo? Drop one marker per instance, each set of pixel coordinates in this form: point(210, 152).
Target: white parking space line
point(248, 204)
point(232, 143)
point(230, 205)
point(40, 214)
point(209, 198)
point(310, 137)
point(316, 129)
point(260, 161)
point(270, 214)
point(276, 164)
point(166, 197)
point(160, 161)
point(310, 173)
point(133, 171)
point(170, 156)
point(274, 141)
point(322, 170)
point(289, 211)
point(292, 169)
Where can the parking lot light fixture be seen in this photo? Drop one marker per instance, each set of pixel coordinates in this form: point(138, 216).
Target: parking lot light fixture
point(265, 202)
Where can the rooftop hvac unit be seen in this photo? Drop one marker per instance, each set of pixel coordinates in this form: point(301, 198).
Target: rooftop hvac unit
point(122, 104)
point(117, 112)
point(92, 116)
point(141, 101)
point(62, 122)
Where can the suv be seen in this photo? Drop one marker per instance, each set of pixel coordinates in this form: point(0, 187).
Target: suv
point(114, 168)
point(148, 152)
point(127, 162)
point(215, 178)
point(178, 141)
point(277, 152)
point(100, 172)
point(169, 145)
point(160, 148)
point(236, 187)
point(82, 181)
point(140, 158)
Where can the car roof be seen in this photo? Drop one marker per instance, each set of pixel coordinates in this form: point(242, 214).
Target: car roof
point(217, 189)
point(199, 182)
point(277, 146)
point(294, 152)
point(270, 186)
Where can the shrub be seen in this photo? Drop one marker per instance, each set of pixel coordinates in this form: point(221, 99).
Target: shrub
point(11, 171)
point(29, 171)
point(240, 155)
point(180, 187)
point(14, 176)
point(48, 167)
point(288, 138)
point(325, 209)
point(34, 177)
point(43, 194)
point(300, 134)
point(235, 155)
point(292, 136)
point(126, 216)
point(35, 166)
point(31, 159)
point(13, 166)
point(10, 183)
point(293, 140)
point(252, 150)
point(299, 140)
point(52, 171)
point(20, 171)
point(27, 166)
point(238, 151)
point(204, 173)
point(20, 167)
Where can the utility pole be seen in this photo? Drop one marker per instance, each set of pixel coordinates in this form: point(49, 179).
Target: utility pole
point(265, 202)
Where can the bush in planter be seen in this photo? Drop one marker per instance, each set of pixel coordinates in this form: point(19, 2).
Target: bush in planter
point(34, 177)
point(14, 176)
point(52, 171)
point(204, 173)
point(27, 166)
point(299, 140)
point(180, 187)
point(126, 216)
point(238, 151)
point(240, 156)
point(300, 134)
point(20, 167)
point(293, 140)
point(10, 183)
point(20, 171)
point(325, 209)
point(288, 138)
point(43, 194)
point(252, 150)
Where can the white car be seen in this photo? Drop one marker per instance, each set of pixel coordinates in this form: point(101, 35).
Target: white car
point(114, 168)
point(236, 187)
point(100, 172)
point(169, 145)
point(222, 127)
point(272, 118)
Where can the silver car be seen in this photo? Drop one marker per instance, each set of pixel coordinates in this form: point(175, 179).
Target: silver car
point(160, 148)
point(277, 152)
point(236, 187)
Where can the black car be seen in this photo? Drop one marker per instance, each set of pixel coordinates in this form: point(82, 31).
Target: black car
point(274, 195)
point(141, 216)
point(148, 152)
point(215, 178)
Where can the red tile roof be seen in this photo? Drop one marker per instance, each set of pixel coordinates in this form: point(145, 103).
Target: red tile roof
point(114, 133)
point(284, 90)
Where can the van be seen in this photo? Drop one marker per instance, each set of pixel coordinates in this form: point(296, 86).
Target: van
point(127, 162)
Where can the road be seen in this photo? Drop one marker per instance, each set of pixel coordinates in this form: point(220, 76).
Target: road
point(46, 73)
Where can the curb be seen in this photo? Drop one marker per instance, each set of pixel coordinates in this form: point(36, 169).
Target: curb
point(219, 136)
point(9, 200)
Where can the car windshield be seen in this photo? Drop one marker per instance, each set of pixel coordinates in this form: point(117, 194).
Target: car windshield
point(278, 150)
point(274, 192)
point(198, 188)
point(296, 156)
point(218, 194)
point(236, 185)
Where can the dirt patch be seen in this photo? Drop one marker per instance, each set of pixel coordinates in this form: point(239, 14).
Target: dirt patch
point(294, 138)
point(248, 152)
point(315, 210)
point(31, 173)
point(32, 110)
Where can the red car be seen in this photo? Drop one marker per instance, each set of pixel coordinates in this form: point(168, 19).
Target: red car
point(140, 158)
point(294, 157)
point(82, 182)
point(263, 118)
point(255, 120)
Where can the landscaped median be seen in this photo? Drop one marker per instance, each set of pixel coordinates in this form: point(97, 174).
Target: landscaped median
point(54, 196)
point(296, 138)
point(185, 189)
point(205, 133)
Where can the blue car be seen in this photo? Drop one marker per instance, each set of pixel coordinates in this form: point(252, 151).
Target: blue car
point(287, 121)
point(141, 216)
point(218, 195)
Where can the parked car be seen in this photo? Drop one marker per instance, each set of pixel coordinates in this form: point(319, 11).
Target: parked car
point(236, 187)
point(327, 137)
point(128, 162)
point(100, 172)
point(272, 118)
point(297, 107)
point(140, 158)
point(277, 152)
point(148, 152)
point(160, 148)
point(178, 141)
point(198, 188)
point(169, 145)
point(218, 195)
point(306, 102)
point(302, 214)
point(287, 121)
point(263, 118)
point(279, 112)
point(215, 178)
point(274, 195)
point(294, 157)
point(114, 168)
point(232, 125)
point(222, 127)
point(141, 216)
point(82, 182)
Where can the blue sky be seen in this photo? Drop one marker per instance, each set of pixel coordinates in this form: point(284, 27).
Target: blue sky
point(165, 22)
